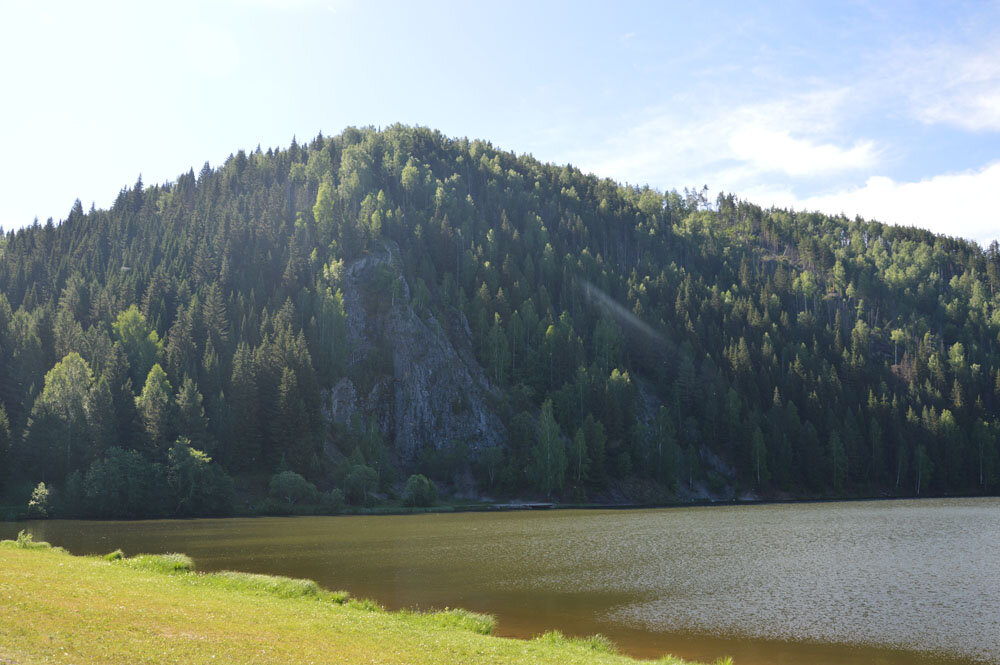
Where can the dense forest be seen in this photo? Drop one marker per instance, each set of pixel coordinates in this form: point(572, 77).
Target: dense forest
point(187, 350)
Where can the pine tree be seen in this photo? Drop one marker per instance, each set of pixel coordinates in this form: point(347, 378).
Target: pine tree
point(245, 435)
point(294, 439)
point(215, 318)
point(5, 448)
point(154, 406)
point(99, 408)
point(190, 421)
point(548, 465)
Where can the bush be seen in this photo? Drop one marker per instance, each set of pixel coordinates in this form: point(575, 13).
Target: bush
point(360, 483)
point(38, 506)
point(198, 486)
point(333, 500)
point(71, 499)
point(25, 541)
point(125, 485)
point(292, 488)
point(420, 491)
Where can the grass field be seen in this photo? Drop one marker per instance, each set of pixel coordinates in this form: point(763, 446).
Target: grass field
point(59, 608)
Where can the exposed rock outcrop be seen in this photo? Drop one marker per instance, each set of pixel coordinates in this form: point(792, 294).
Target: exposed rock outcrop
point(420, 381)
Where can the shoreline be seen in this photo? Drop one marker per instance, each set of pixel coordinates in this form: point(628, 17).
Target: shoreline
point(157, 608)
point(446, 508)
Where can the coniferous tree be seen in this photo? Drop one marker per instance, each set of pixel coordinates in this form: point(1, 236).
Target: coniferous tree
point(155, 406)
point(5, 447)
point(190, 421)
point(99, 408)
point(548, 464)
point(245, 434)
point(293, 437)
point(667, 330)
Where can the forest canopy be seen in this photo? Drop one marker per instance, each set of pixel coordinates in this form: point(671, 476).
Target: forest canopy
point(638, 344)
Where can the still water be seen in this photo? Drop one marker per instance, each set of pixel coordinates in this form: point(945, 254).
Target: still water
point(887, 582)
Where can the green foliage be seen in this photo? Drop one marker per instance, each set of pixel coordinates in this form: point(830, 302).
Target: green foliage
point(155, 408)
point(548, 456)
point(140, 342)
point(198, 486)
point(58, 425)
point(682, 336)
point(124, 484)
point(190, 421)
point(5, 448)
point(420, 491)
point(359, 484)
point(25, 541)
point(333, 500)
point(292, 488)
point(38, 505)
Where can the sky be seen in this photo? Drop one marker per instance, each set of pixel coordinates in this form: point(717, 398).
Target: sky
point(886, 110)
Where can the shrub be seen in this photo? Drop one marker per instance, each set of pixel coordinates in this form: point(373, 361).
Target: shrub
point(360, 483)
point(71, 499)
point(292, 488)
point(25, 541)
point(125, 485)
point(334, 499)
point(38, 506)
point(199, 487)
point(420, 491)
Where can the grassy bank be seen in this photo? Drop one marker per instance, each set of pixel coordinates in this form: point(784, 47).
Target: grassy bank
point(59, 608)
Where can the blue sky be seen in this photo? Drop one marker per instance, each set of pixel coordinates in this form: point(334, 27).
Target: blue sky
point(887, 110)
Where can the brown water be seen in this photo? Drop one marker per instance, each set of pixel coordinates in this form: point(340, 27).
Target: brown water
point(887, 582)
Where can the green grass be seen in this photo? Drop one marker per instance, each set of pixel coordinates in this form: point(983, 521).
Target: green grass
point(26, 542)
point(59, 608)
point(160, 563)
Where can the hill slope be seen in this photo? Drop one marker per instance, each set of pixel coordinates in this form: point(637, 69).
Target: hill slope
point(379, 303)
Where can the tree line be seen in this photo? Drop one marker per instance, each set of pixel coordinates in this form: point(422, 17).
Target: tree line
point(640, 341)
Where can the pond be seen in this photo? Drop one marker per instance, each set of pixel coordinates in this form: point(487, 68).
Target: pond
point(887, 582)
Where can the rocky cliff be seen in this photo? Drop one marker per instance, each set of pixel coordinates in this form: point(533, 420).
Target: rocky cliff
point(416, 377)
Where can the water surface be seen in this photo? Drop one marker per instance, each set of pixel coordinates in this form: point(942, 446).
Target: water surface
point(887, 582)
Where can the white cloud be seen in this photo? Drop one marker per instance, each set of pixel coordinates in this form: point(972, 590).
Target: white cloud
point(958, 204)
point(733, 148)
point(949, 84)
point(775, 150)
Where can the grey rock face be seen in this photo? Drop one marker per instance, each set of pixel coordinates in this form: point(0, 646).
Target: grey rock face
point(420, 381)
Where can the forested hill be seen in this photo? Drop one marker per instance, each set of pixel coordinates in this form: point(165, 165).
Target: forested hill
point(387, 302)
